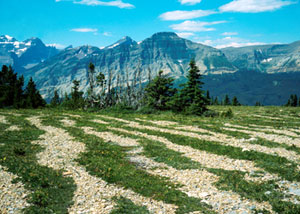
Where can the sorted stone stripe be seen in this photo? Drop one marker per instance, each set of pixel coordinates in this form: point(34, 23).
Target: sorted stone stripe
point(93, 195)
point(204, 158)
point(197, 183)
point(271, 137)
point(263, 129)
point(3, 119)
point(216, 137)
point(159, 122)
point(13, 196)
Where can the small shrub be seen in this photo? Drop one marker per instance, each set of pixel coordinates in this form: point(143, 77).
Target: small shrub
point(210, 113)
point(40, 198)
point(19, 151)
point(227, 114)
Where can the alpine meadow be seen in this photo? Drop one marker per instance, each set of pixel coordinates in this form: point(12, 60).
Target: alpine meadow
point(196, 109)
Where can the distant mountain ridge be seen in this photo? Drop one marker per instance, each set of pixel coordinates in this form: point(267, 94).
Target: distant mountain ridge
point(53, 69)
point(24, 55)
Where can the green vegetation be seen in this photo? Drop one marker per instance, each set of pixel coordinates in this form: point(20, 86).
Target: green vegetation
point(51, 192)
point(12, 94)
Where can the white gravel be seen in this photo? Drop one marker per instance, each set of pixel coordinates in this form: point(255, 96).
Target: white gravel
point(13, 196)
point(93, 195)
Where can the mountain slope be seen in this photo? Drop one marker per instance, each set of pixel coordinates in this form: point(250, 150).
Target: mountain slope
point(162, 51)
point(266, 58)
point(24, 55)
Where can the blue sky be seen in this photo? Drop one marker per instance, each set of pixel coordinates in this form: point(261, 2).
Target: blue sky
point(218, 23)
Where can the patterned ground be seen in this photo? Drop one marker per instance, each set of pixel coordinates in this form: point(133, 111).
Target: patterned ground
point(147, 164)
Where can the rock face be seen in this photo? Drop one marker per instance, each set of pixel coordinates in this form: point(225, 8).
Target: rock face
point(266, 58)
point(24, 55)
point(162, 51)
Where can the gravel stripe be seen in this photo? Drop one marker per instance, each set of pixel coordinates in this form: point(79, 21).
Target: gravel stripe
point(12, 195)
point(216, 137)
point(204, 158)
point(263, 129)
point(199, 184)
point(3, 119)
point(13, 128)
point(93, 195)
point(271, 137)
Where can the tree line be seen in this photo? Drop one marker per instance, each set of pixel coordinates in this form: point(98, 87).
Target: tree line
point(12, 93)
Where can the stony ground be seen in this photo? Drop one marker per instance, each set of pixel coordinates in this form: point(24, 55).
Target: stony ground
point(131, 163)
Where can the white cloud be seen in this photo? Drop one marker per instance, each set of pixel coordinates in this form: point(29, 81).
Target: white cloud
point(230, 42)
point(254, 6)
point(58, 46)
point(85, 30)
point(181, 14)
point(229, 34)
point(106, 34)
point(185, 34)
point(190, 2)
point(116, 3)
point(195, 26)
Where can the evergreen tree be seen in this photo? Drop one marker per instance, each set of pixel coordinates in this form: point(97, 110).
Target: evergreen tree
point(294, 101)
point(216, 101)
point(55, 101)
point(159, 91)
point(226, 101)
point(258, 104)
point(191, 98)
point(32, 96)
point(76, 100)
point(208, 98)
point(235, 101)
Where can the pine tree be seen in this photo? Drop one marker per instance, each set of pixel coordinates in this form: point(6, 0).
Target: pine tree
point(216, 101)
point(91, 95)
point(55, 101)
point(191, 96)
point(32, 96)
point(226, 101)
point(159, 91)
point(235, 101)
point(294, 101)
point(208, 98)
point(76, 100)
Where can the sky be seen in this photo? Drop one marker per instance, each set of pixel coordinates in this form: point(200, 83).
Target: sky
point(217, 23)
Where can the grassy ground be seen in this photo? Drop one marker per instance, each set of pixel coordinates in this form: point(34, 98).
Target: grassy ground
point(52, 192)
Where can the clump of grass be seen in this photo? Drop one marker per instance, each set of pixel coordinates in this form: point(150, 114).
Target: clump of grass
point(126, 206)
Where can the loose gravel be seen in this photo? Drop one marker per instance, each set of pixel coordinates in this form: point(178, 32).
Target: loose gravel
point(13, 196)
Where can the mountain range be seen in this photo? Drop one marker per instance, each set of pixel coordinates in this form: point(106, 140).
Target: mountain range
point(267, 73)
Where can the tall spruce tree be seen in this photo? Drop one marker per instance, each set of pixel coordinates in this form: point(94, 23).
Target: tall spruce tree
point(11, 88)
point(55, 101)
point(235, 101)
point(226, 101)
point(159, 92)
point(191, 98)
point(33, 99)
point(77, 100)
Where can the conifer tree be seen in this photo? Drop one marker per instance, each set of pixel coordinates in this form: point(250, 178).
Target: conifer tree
point(159, 91)
point(32, 96)
point(235, 101)
point(208, 98)
point(216, 101)
point(191, 98)
point(76, 100)
point(55, 101)
point(227, 101)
